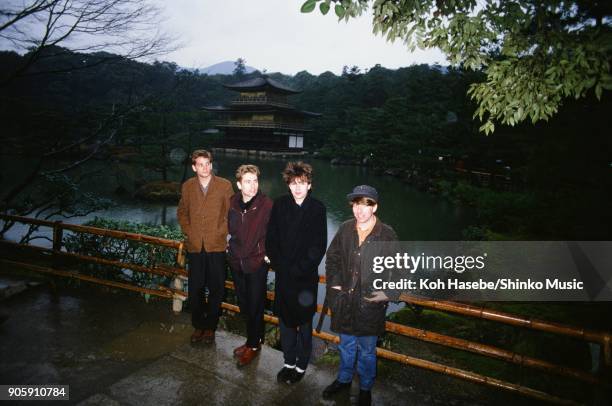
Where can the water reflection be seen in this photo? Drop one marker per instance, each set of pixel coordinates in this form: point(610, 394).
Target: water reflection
point(414, 215)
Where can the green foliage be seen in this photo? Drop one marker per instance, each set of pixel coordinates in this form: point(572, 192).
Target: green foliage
point(503, 211)
point(324, 7)
point(331, 358)
point(534, 53)
point(550, 347)
point(134, 252)
point(309, 6)
point(52, 196)
point(394, 120)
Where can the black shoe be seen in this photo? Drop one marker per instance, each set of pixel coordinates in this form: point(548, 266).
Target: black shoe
point(295, 376)
point(283, 374)
point(335, 387)
point(365, 398)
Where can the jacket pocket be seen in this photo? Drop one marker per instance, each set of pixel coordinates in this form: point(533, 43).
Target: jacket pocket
point(370, 317)
point(340, 305)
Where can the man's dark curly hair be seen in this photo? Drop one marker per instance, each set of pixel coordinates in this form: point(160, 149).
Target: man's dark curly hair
point(297, 170)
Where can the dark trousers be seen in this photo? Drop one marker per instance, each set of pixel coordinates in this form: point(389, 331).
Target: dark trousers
point(206, 271)
point(296, 343)
point(251, 292)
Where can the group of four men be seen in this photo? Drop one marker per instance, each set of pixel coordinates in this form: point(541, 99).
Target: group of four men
point(290, 236)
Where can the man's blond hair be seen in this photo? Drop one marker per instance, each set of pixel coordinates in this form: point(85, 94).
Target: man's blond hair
point(244, 169)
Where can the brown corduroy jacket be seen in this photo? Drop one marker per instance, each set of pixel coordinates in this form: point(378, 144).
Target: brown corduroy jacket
point(203, 219)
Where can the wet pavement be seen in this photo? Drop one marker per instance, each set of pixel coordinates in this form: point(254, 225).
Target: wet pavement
point(114, 348)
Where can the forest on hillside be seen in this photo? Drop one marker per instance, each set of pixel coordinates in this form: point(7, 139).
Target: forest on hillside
point(415, 122)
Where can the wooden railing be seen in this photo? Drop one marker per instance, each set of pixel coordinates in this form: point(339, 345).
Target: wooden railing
point(178, 295)
point(177, 272)
point(260, 124)
point(261, 100)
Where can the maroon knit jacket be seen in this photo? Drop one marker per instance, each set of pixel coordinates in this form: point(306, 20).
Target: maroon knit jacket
point(247, 244)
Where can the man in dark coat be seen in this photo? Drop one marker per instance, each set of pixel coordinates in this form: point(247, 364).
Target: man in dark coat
point(358, 312)
point(295, 244)
point(248, 221)
point(202, 214)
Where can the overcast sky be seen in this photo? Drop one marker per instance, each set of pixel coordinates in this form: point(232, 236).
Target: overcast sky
point(275, 35)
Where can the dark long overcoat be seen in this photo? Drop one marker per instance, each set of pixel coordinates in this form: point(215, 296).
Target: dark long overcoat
point(348, 265)
point(296, 243)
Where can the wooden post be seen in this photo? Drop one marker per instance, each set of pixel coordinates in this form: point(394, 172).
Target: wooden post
point(177, 300)
point(177, 283)
point(606, 354)
point(180, 255)
point(58, 233)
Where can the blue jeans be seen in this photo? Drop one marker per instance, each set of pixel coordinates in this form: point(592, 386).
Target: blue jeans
point(363, 350)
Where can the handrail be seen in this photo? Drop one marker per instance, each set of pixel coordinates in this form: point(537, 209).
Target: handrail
point(177, 273)
point(260, 124)
point(510, 319)
point(178, 295)
point(162, 271)
point(76, 275)
point(260, 100)
point(481, 312)
point(95, 230)
point(436, 367)
point(477, 348)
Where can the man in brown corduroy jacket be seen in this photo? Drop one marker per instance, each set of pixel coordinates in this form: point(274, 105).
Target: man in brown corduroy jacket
point(202, 214)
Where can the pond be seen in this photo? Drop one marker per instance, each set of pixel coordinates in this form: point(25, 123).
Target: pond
point(414, 215)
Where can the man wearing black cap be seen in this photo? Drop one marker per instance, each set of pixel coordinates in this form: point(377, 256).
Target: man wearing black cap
point(358, 313)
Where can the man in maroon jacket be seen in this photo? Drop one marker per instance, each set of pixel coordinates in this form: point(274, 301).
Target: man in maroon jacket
point(248, 221)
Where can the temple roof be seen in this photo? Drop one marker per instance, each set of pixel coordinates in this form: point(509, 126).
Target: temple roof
point(262, 83)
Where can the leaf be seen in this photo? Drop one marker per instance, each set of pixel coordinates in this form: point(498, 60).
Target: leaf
point(598, 91)
point(340, 11)
point(324, 7)
point(487, 127)
point(308, 6)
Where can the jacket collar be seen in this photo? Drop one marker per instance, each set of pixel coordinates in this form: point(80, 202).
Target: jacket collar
point(376, 231)
point(235, 200)
point(305, 202)
point(210, 183)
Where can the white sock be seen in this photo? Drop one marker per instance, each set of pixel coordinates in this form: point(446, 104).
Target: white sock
point(300, 370)
point(289, 366)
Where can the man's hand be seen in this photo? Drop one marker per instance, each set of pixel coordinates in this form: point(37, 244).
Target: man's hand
point(378, 296)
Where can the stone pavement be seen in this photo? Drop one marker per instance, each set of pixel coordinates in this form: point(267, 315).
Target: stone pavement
point(192, 375)
point(114, 348)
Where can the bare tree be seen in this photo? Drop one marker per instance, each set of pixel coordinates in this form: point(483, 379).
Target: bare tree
point(129, 28)
point(48, 190)
point(45, 29)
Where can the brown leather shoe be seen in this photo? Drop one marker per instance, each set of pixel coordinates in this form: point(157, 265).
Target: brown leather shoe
point(197, 335)
point(238, 351)
point(208, 337)
point(248, 355)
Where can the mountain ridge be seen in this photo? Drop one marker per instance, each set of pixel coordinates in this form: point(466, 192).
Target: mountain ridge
point(223, 68)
